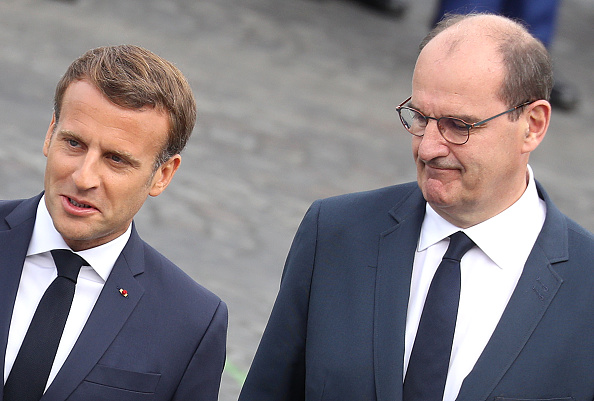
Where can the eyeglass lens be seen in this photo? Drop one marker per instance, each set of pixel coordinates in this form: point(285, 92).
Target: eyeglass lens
point(413, 121)
point(452, 129)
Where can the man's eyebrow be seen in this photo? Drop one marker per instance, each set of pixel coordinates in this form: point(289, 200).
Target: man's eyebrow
point(65, 132)
point(467, 118)
point(123, 154)
point(464, 117)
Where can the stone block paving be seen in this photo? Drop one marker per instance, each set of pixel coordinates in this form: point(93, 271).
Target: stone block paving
point(296, 102)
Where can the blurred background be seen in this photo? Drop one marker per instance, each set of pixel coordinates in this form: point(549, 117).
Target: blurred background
point(296, 102)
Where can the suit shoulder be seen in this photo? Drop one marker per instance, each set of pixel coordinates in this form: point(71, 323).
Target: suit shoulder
point(8, 205)
point(167, 278)
point(381, 199)
point(17, 211)
point(370, 211)
point(579, 237)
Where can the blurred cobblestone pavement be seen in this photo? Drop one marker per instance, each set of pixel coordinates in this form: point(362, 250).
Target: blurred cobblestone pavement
point(296, 102)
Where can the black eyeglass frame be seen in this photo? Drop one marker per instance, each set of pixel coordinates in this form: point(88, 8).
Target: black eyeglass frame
point(468, 126)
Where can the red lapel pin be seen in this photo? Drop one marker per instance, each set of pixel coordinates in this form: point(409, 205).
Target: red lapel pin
point(123, 292)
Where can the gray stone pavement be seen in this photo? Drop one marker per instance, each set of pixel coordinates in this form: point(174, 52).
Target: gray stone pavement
point(296, 102)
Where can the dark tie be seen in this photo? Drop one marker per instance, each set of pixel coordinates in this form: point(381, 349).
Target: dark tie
point(31, 369)
point(428, 366)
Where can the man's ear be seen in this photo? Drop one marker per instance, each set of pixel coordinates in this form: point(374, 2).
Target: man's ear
point(164, 174)
point(538, 117)
point(48, 135)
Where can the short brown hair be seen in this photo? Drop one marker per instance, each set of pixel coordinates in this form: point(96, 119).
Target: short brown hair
point(529, 71)
point(133, 77)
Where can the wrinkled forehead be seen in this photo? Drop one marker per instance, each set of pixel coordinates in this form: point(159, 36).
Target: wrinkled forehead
point(465, 69)
point(476, 40)
point(466, 44)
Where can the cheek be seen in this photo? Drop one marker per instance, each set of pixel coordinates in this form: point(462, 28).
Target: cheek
point(485, 169)
point(416, 141)
point(54, 167)
point(130, 194)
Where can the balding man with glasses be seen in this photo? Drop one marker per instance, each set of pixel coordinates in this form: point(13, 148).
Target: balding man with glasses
point(466, 285)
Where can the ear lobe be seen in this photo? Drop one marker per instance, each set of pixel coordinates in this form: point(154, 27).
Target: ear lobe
point(164, 175)
point(538, 117)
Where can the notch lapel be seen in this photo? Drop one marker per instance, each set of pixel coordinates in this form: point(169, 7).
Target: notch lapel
point(106, 320)
point(536, 289)
point(397, 248)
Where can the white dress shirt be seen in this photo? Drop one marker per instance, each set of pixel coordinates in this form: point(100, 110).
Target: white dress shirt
point(490, 272)
point(39, 270)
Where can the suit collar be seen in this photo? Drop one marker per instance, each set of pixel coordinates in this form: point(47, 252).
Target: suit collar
point(553, 239)
point(24, 212)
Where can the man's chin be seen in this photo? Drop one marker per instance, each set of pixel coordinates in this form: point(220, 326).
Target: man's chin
point(436, 193)
point(73, 233)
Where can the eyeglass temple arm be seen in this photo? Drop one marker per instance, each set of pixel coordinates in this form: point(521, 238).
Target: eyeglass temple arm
point(500, 114)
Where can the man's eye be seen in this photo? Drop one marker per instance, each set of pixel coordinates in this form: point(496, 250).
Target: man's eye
point(116, 159)
point(419, 119)
point(73, 143)
point(455, 124)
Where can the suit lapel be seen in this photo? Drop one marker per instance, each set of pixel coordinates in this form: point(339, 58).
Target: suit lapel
point(534, 292)
point(106, 320)
point(397, 248)
point(14, 243)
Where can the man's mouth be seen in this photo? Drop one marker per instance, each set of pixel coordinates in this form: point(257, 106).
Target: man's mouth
point(75, 203)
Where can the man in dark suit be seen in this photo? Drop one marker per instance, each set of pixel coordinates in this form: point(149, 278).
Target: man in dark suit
point(371, 305)
point(139, 328)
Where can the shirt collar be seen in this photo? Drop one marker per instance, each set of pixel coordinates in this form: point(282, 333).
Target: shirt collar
point(506, 238)
point(45, 238)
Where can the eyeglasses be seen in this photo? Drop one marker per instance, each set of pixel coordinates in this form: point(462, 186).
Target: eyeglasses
point(454, 130)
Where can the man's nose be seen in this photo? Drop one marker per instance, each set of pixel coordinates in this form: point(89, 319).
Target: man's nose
point(432, 144)
point(86, 175)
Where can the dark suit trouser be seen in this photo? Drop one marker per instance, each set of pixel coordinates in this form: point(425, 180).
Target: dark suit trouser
point(539, 15)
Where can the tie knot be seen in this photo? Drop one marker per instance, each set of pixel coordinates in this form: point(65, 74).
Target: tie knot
point(459, 245)
point(68, 263)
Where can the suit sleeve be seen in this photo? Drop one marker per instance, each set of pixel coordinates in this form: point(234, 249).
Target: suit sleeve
point(202, 378)
point(278, 370)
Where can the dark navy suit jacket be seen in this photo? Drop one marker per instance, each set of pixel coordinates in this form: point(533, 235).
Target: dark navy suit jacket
point(336, 332)
point(164, 341)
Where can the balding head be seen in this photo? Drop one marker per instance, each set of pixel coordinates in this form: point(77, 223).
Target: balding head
point(460, 26)
point(526, 62)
